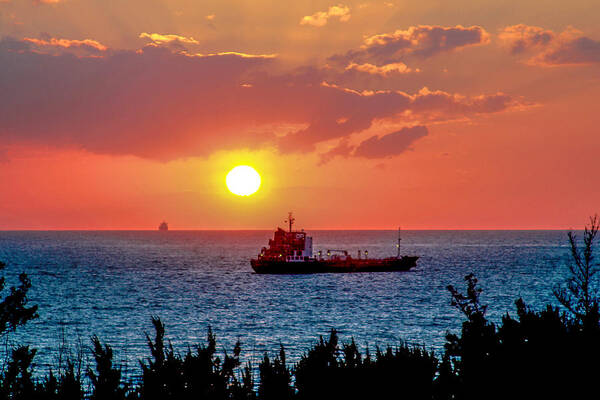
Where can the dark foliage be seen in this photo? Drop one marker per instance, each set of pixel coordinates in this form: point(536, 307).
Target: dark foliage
point(544, 354)
point(197, 375)
point(17, 381)
point(580, 293)
point(70, 386)
point(106, 380)
point(327, 371)
point(275, 378)
point(13, 308)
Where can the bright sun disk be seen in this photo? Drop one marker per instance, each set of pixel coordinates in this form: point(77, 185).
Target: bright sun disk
point(243, 180)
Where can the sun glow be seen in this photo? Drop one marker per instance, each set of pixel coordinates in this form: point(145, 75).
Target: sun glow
point(243, 180)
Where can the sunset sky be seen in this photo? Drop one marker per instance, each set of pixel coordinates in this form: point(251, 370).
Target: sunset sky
point(466, 114)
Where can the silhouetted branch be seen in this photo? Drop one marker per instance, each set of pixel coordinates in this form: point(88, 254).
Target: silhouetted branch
point(579, 294)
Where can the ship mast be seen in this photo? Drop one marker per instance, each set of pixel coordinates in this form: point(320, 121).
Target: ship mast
point(399, 240)
point(290, 220)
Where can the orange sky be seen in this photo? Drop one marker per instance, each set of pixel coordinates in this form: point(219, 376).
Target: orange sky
point(366, 115)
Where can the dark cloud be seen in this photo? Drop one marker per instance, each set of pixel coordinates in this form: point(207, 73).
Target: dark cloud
point(10, 44)
point(582, 50)
point(521, 38)
point(343, 149)
point(343, 112)
point(165, 104)
point(151, 103)
point(549, 48)
point(390, 145)
point(421, 41)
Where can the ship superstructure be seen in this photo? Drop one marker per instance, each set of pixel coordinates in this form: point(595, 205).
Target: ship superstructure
point(291, 252)
point(163, 226)
point(288, 246)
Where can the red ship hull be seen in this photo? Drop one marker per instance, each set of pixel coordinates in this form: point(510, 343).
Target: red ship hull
point(313, 266)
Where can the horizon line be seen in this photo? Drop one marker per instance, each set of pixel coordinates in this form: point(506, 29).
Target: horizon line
point(271, 229)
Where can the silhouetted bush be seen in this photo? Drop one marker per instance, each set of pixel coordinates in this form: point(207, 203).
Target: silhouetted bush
point(275, 378)
point(541, 354)
point(17, 381)
point(106, 380)
point(70, 385)
point(200, 374)
point(327, 371)
point(13, 308)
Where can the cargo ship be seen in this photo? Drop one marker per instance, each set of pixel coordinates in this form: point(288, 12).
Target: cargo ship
point(291, 252)
point(163, 226)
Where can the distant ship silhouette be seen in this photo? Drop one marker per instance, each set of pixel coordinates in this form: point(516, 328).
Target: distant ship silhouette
point(163, 226)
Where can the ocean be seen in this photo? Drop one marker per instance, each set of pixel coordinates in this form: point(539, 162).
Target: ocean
point(110, 284)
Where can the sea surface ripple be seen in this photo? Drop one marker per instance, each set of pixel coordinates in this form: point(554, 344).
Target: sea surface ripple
point(110, 283)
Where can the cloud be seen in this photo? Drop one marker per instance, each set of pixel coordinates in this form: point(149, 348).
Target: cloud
point(438, 101)
point(85, 44)
point(521, 38)
point(340, 112)
point(391, 144)
point(164, 104)
point(422, 41)
point(242, 55)
point(343, 149)
point(581, 50)
point(158, 38)
point(320, 18)
point(210, 21)
point(547, 48)
point(384, 70)
point(377, 147)
point(47, 1)
point(152, 103)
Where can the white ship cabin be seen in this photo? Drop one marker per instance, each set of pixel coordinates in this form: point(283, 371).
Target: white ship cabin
point(301, 255)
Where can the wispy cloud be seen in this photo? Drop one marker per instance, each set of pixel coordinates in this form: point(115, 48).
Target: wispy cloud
point(87, 44)
point(238, 54)
point(158, 38)
point(383, 70)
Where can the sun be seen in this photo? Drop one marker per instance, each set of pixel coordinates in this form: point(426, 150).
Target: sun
point(243, 180)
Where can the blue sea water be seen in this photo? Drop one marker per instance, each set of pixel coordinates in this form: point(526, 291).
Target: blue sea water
point(111, 283)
